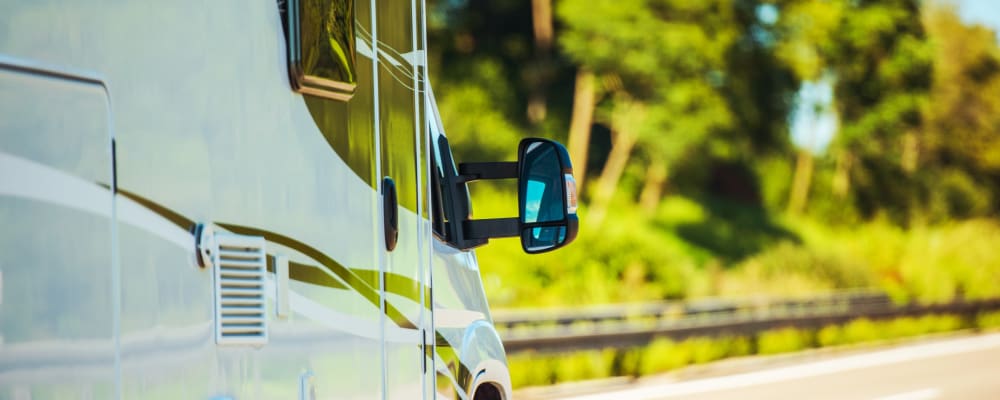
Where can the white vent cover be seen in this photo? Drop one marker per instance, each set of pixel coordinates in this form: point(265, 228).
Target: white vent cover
point(240, 303)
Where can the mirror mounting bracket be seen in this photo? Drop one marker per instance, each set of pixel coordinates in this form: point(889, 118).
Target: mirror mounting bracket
point(476, 229)
point(468, 172)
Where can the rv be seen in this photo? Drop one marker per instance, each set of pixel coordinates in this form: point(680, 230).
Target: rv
point(245, 200)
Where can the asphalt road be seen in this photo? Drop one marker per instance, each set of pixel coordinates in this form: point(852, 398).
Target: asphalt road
point(963, 368)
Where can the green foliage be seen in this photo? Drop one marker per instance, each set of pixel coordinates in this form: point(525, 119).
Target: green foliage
point(904, 200)
point(691, 38)
point(636, 258)
point(964, 119)
point(584, 365)
point(664, 355)
point(957, 195)
point(776, 177)
point(805, 35)
point(929, 264)
point(864, 330)
point(733, 231)
point(859, 331)
point(529, 369)
point(783, 341)
point(709, 82)
point(661, 355)
point(988, 320)
point(629, 259)
point(791, 269)
point(472, 110)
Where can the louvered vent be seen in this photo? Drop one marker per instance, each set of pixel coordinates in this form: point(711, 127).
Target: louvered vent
point(240, 304)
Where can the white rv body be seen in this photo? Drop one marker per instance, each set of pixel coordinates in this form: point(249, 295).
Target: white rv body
point(176, 221)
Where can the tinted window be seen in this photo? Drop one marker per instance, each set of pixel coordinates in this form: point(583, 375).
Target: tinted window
point(321, 47)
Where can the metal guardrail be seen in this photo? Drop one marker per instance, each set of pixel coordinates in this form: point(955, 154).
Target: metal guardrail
point(629, 325)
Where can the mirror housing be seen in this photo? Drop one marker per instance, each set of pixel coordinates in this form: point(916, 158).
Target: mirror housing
point(547, 199)
point(546, 196)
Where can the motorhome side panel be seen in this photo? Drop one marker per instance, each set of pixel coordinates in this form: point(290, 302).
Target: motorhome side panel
point(56, 324)
point(408, 374)
point(208, 131)
point(102, 290)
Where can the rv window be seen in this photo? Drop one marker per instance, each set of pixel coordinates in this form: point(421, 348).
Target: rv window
point(321, 47)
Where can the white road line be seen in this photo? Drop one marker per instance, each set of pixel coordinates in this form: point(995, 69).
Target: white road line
point(902, 354)
point(923, 394)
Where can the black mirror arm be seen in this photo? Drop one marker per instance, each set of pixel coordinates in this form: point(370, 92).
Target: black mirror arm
point(476, 229)
point(487, 170)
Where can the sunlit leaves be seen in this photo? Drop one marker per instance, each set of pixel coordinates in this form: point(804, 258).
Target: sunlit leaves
point(806, 35)
point(964, 117)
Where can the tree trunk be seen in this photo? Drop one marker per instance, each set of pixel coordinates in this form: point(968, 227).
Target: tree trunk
point(842, 175)
point(801, 182)
point(579, 127)
point(652, 189)
point(624, 138)
point(541, 18)
point(911, 152)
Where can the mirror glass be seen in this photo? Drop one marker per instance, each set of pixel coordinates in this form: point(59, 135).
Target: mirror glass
point(542, 194)
point(541, 184)
point(542, 238)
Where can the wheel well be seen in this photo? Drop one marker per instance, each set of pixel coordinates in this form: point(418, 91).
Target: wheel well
point(487, 391)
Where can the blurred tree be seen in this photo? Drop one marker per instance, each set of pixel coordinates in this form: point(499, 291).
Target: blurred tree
point(804, 40)
point(584, 100)
point(693, 98)
point(663, 63)
point(628, 119)
point(541, 17)
point(491, 63)
point(878, 55)
point(882, 64)
point(758, 88)
point(963, 122)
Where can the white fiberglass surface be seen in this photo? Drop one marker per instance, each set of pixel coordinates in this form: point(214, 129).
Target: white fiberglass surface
point(56, 269)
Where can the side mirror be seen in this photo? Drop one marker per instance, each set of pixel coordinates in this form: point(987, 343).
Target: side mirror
point(546, 196)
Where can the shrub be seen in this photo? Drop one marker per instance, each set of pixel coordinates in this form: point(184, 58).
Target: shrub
point(663, 355)
point(782, 341)
point(986, 320)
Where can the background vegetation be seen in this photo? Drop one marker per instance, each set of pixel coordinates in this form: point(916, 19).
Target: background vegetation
point(734, 147)
point(664, 355)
